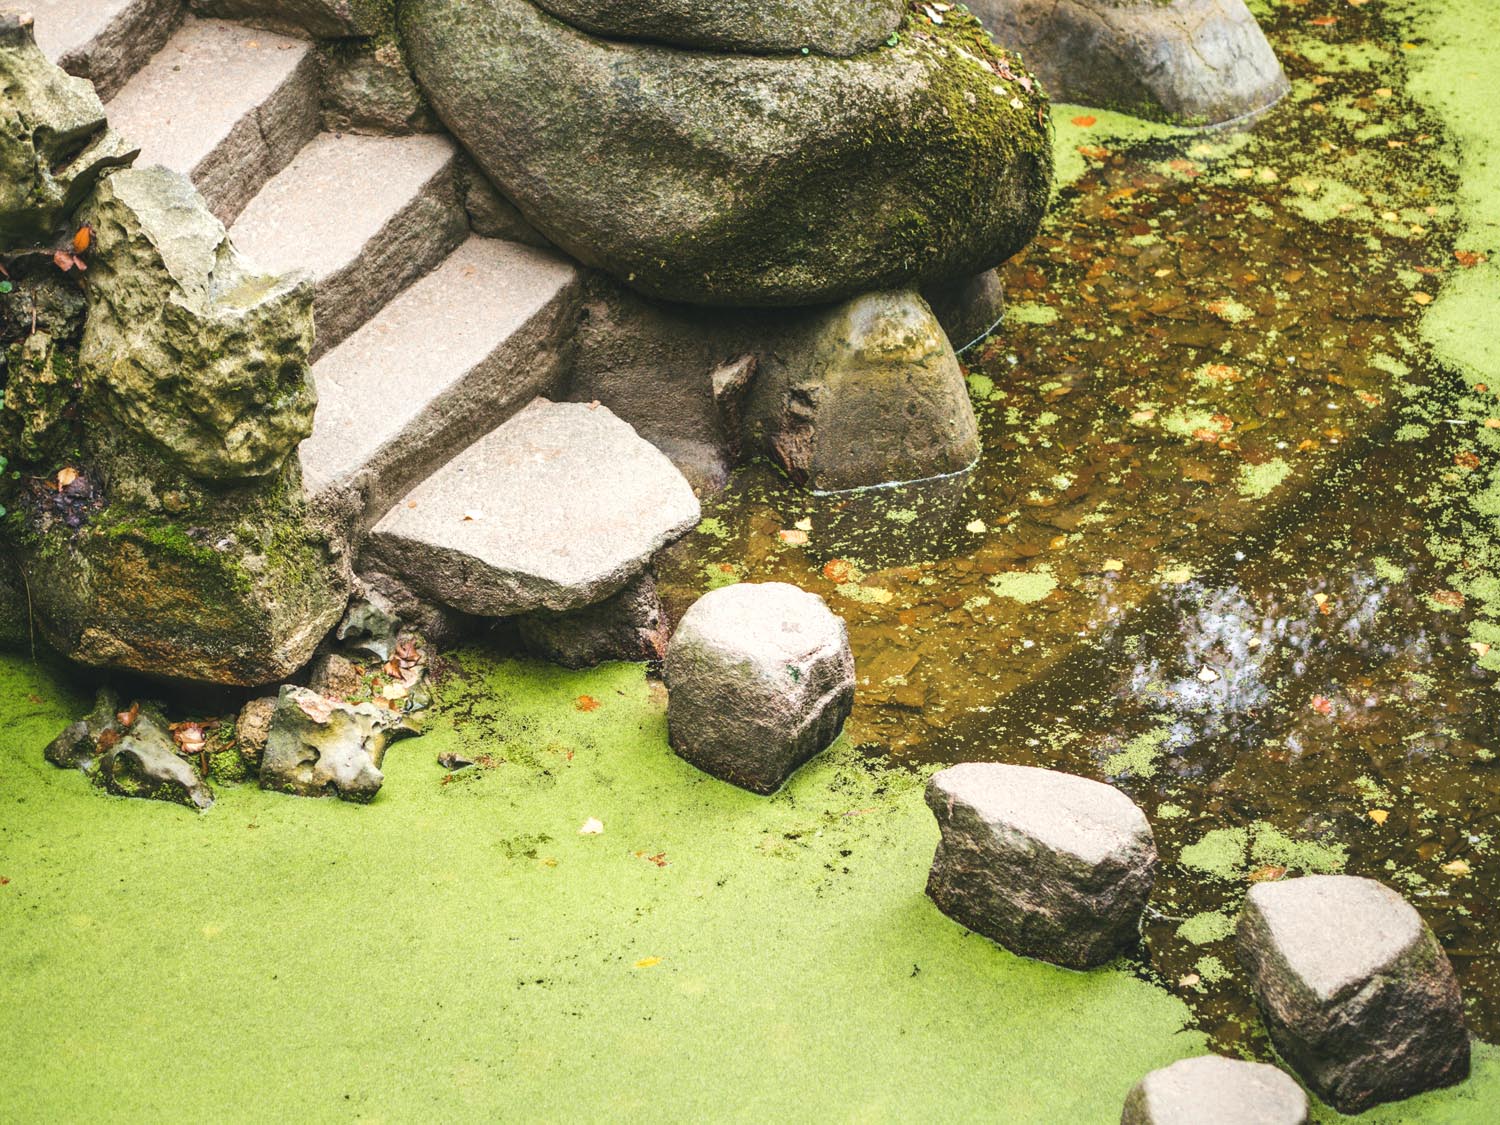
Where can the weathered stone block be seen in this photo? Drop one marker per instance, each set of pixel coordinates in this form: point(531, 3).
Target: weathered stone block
point(1211, 1090)
point(317, 747)
point(144, 763)
point(627, 626)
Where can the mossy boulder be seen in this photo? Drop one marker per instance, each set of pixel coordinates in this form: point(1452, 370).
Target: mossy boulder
point(830, 27)
point(748, 180)
point(14, 618)
point(186, 347)
point(54, 143)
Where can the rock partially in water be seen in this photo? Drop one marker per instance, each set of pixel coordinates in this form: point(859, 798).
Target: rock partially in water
point(743, 180)
point(1355, 990)
point(830, 27)
point(143, 762)
point(1198, 62)
point(868, 393)
point(761, 678)
point(626, 626)
point(318, 747)
point(79, 746)
point(1211, 1090)
point(1047, 864)
point(968, 308)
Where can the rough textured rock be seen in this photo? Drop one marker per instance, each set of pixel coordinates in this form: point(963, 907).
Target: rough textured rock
point(190, 349)
point(78, 747)
point(322, 19)
point(1355, 990)
point(745, 179)
point(319, 748)
point(830, 27)
point(627, 626)
point(144, 763)
point(368, 88)
point(968, 308)
point(867, 394)
point(371, 627)
point(442, 626)
point(54, 144)
point(1049, 865)
point(15, 618)
point(1199, 62)
point(335, 676)
point(1211, 1090)
point(491, 214)
point(761, 678)
point(557, 509)
point(252, 728)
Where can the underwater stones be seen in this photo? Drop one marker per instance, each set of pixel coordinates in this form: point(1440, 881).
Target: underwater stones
point(830, 27)
point(54, 143)
point(760, 678)
point(869, 393)
point(1355, 990)
point(1047, 864)
point(746, 180)
point(557, 509)
point(193, 352)
point(318, 747)
point(143, 762)
point(1198, 62)
point(1212, 1090)
point(626, 626)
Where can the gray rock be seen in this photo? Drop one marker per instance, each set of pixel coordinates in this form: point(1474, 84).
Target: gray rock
point(252, 728)
point(1049, 865)
point(335, 676)
point(491, 214)
point(371, 627)
point(745, 179)
point(830, 27)
point(54, 144)
point(761, 678)
point(318, 747)
point(626, 626)
point(1211, 1090)
point(869, 393)
point(1199, 62)
point(557, 509)
point(368, 88)
point(440, 625)
point(169, 296)
point(1355, 990)
point(969, 309)
point(322, 19)
point(144, 763)
point(79, 746)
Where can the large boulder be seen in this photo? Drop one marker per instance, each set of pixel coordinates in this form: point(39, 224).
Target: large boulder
point(1198, 62)
point(1356, 992)
point(54, 144)
point(1212, 1090)
point(749, 180)
point(830, 27)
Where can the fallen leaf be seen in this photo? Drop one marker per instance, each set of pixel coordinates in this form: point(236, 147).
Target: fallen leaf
point(1188, 980)
point(1324, 21)
point(1085, 121)
point(473, 514)
point(593, 826)
point(1379, 815)
point(128, 718)
point(66, 477)
point(1450, 598)
point(83, 239)
point(837, 570)
point(647, 962)
point(586, 703)
point(1322, 705)
point(1112, 566)
point(1456, 867)
point(803, 525)
point(1422, 298)
point(1468, 258)
point(1467, 460)
point(793, 537)
point(976, 527)
point(1267, 873)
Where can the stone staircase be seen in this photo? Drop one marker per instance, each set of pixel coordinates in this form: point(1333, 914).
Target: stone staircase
point(429, 336)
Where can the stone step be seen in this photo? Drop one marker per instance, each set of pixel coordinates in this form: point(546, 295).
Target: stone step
point(442, 364)
point(365, 216)
point(557, 509)
point(105, 41)
point(227, 105)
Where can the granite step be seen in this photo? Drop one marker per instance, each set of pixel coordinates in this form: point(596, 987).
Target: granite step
point(442, 364)
point(105, 41)
point(227, 105)
point(364, 216)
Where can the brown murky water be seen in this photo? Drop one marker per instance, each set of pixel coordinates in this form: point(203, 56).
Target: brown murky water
point(1204, 554)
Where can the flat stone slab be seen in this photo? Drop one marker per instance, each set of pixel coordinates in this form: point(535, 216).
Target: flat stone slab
point(761, 678)
point(556, 509)
point(1355, 990)
point(1047, 864)
point(105, 41)
point(1211, 1090)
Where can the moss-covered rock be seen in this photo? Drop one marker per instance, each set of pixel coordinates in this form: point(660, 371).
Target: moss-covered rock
point(39, 389)
point(745, 179)
point(184, 346)
point(14, 619)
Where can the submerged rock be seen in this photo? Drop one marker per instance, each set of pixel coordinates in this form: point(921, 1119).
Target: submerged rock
point(761, 678)
point(729, 179)
point(318, 747)
point(1211, 1090)
point(1047, 864)
point(143, 762)
point(1198, 62)
point(1356, 992)
point(626, 626)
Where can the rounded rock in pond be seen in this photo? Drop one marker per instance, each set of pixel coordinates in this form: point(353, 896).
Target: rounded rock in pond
point(761, 678)
point(1047, 864)
point(1356, 992)
point(1211, 1090)
point(744, 179)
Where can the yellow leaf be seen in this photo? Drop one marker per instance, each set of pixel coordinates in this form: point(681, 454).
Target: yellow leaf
point(1379, 815)
point(1457, 867)
point(647, 962)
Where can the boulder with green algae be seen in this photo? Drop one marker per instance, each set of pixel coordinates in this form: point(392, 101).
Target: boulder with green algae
point(830, 27)
point(39, 385)
point(319, 747)
point(184, 345)
point(143, 762)
point(738, 179)
point(54, 143)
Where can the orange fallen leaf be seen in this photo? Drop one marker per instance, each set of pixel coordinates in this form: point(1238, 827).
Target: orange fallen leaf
point(1085, 121)
point(1467, 460)
point(837, 570)
point(83, 239)
point(1324, 21)
point(1094, 152)
point(1267, 873)
point(66, 477)
point(586, 703)
point(647, 962)
point(1450, 598)
point(1469, 258)
point(1322, 705)
point(1379, 815)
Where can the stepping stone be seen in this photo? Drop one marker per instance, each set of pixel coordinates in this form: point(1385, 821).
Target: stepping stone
point(440, 366)
point(761, 678)
point(1049, 865)
point(558, 508)
point(1355, 990)
point(227, 106)
point(1211, 1090)
point(105, 41)
point(365, 216)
